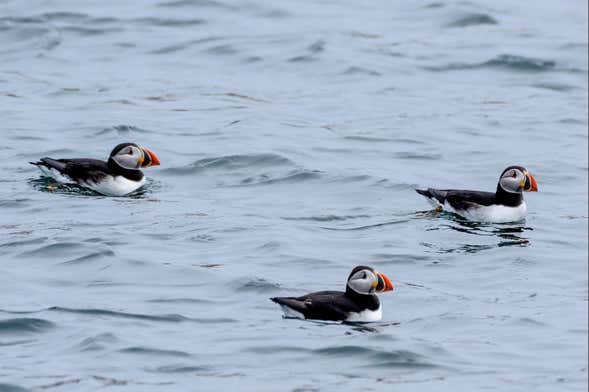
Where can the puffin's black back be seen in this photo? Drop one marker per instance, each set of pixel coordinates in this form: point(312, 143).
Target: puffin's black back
point(331, 305)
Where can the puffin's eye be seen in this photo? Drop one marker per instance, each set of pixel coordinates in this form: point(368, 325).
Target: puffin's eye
point(514, 174)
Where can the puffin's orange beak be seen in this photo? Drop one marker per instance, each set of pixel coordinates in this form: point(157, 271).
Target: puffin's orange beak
point(384, 282)
point(531, 184)
point(152, 159)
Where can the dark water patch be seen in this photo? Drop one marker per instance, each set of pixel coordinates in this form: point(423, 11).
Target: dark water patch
point(12, 388)
point(54, 250)
point(325, 218)
point(560, 87)
point(231, 163)
point(350, 179)
point(505, 61)
point(462, 248)
point(354, 70)
point(18, 244)
point(368, 139)
point(174, 318)
point(417, 156)
point(185, 45)
point(96, 343)
point(527, 321)
point(172, 369)
point(275, 349)
point(64, 16)
point(167, 22)
point(380, 358)
point(473, 20)
point(224, 49)
point(295, 176)
point(317, 46)
point(123, 130)
point(17, 342)
point(257, 285)
point(90, 31)
point(302, 59)
point(197, 4)
point(141, 350)
point(24, 325)
point(10, 20)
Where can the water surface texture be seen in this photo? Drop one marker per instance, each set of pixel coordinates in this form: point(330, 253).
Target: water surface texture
point(291, 136)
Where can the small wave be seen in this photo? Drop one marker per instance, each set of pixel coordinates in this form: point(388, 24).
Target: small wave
point(258, 285)
point(224, 49)
point(122, 130)
point(366, 227)
point(96, 343)
point(232, 162)
point(504, 61)
point(292, 177)
point(325, 218)
point(174, 318)
point(196, 3)
point(561, 87)
point(381, 358)
point(64, 16)
point(24, 325)
point(154, 351)
point(418, 156)
point(90, 257)
point(370, 139)
point(179, 369)
point(353, 70)
point(473, 20)
point(57, 249)
point(167, 22)
point(12, 388)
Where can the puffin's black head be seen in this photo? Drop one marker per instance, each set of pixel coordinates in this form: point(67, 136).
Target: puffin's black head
point(365, 280)
point(517, 179)
point(131, 156)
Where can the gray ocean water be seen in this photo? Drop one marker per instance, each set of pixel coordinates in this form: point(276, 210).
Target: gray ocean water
point(291, 137)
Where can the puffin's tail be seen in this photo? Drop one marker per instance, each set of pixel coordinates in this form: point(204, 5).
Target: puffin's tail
point(436, 197)
point(50, 163)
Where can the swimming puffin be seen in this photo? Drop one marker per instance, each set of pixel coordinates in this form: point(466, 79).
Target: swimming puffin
point(358, 303)
point(505, 205)
point(119, 176)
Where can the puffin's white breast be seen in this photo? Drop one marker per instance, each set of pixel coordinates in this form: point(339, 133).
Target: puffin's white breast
point(494, 213)
point(114, 186)
point(366, 316)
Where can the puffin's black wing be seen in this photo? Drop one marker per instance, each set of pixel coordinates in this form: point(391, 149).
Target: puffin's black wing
point(322, 305)
point(77, 169)
point(459, 199)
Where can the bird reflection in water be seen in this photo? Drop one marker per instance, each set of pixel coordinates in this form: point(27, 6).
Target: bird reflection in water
point(508, 234)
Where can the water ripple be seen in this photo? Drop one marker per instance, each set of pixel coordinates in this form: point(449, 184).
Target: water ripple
point(24, 325)
point(473, 20)
point(141, 350)
point(504, 61)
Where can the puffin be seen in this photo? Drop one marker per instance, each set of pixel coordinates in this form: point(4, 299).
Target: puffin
point(505, 205)
point(118, 176)
point(358, 303)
